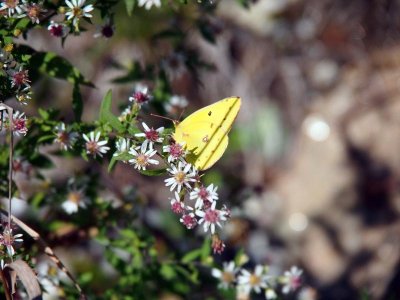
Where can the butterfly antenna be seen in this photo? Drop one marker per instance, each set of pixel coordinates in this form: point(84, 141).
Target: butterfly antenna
point(180, 116)
point(162, 117)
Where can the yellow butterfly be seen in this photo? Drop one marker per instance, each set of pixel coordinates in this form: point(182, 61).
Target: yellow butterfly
point(205, 132)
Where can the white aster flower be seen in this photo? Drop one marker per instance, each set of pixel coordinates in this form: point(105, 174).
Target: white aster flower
point(226, 276)
point(125, 113)
point(34, 11)
point(76, 10)
point(15, 8)
point(8, 239)
point(270, 294)
point(58, 29)
point(149, 3)
point(75, 199)
point(211, 217)
point(291, 279)
point(174, 65)
point(140, 95)
point(253, 281)
point(182, 175)
point(64, 138)
point(176, 152)
point(122, 145)
point(49, 276)
point(177, 205)
point(143, 159)
point(176, 104)
point(19, 77)
point(203, 194)
point(152, 135)
point(189, 220)
point(94, 146)
point(19, 123)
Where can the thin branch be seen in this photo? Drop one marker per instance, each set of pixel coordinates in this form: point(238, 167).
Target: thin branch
point(46, 248)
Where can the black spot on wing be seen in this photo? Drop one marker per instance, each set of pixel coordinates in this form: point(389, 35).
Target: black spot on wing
point(209, 113)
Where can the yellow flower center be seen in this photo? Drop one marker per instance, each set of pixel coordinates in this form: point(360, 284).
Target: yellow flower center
point(11, 3)
point(77, 12)
point(180, 177)
point(254, 280)
point(74, 197)
point(227, 277)
point(141, 160)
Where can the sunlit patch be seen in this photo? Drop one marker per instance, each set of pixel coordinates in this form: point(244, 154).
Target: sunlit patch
point(298, 221)
point(316, 128)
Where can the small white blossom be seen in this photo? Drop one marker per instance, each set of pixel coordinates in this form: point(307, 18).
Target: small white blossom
point(15, 8)
point(226, 276)
point(57, 29)
point(189, 220)
point(176, 152)
point(211, 217)
point(19, 77)
point(270, 294)
point(94, 146)
point(141, 95)
point(34, 11)
point(106, 30)
point(177, 206)
point(203, 194)
point(49, 276)
point(174, 65)
point(64, 138)
point(182, 175)
point(75, 199)
point(253, 281)
point(152, 135)
point(291, 279)
point(176, 104)
point(126, 112)
point(148, 4)
point(7, 239)
point(76, 10)
point(122, 145)
point(143, 159)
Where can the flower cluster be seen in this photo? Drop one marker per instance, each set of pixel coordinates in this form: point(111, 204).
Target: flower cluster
point(258, 281)
point(195, 203)
point(201, 207)
point(17, 75)
point(74, 11)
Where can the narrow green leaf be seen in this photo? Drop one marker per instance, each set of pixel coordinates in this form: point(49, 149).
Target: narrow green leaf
point(191, 256)
point(157, 172)
point(106, 116)
point(130, 4)
point(56, 66)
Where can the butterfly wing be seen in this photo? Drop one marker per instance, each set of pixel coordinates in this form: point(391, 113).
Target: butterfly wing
point(205, 131)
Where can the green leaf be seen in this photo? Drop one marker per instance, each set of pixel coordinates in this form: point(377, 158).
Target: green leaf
point(45, 138)
point(191, 256)
point(156, 172)
point(130, 4)
point(114, 159)
point(167, 271)
point(58, 67)
point(133, 129)
point(106, 116)
point(77, 103)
